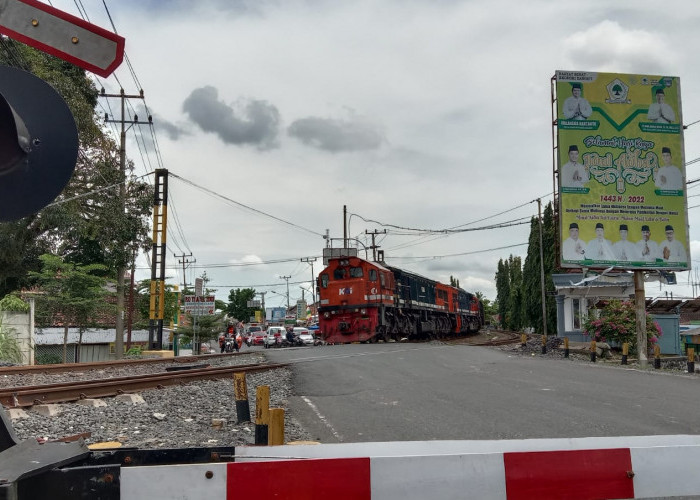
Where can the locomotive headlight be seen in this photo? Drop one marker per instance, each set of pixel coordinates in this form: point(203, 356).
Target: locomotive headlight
point(363, 311)
point(326, 315)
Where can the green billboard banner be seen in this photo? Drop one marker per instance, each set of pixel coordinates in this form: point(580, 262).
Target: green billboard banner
point(620, 171)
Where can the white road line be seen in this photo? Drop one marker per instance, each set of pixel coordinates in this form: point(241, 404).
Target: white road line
point(322, 418)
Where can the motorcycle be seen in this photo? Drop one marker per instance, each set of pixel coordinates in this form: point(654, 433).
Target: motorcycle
point(230, 345)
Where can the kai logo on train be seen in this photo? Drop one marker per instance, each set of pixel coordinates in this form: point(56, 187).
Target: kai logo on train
point(345, 291)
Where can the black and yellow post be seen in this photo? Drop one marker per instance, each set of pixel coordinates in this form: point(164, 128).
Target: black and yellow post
point(625, 352)
point(657, 357)
point(566, 347)
point(276, 437)
point(240, 390)
point(523, 340)
point(262, 414)
point(593, 351)
point(691, 360)
point(544, 344)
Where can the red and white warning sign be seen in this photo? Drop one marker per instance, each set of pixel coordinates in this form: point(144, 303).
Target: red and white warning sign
point(62, 35)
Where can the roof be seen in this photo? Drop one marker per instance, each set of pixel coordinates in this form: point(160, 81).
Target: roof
point(54, 336)
point(570, 280)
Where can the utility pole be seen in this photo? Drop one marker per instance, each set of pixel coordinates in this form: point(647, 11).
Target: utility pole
point(374, 246)
point(345, 226)
point(184, 263)
point(311, 261)
point(286, 278)
point(121, 268)
point(542, 285)
point(262, 294)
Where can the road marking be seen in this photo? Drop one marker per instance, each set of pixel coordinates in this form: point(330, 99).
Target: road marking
point(323, 419)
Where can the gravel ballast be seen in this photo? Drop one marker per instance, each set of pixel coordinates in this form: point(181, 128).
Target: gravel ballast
point(171, 417)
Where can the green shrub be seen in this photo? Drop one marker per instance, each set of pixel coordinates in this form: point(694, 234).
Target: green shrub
point(618, 323)
point(9, 346)
point(12, 303)
point(48, 359)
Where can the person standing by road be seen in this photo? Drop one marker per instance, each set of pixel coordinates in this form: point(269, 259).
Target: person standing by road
point(576, 107)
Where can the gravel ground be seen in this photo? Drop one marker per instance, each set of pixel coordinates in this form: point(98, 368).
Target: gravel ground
point(172, 417)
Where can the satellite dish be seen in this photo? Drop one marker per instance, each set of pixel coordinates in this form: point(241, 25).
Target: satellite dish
point(38, 144)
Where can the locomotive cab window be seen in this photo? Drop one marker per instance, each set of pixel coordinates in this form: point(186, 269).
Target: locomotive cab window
point(339, 273)
point(356, 272)
point(382, 280)
point(324, 280)
point(373, 275)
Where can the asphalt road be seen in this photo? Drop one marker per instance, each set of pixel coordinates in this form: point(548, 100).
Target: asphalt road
point(399, 392)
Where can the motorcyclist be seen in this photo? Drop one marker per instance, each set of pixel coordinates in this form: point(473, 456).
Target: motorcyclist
point(222, 342)
point(290, 337)
point(239, 342)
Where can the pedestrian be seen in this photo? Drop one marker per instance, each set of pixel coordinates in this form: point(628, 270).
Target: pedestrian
point(222, 342)
point(239, 342)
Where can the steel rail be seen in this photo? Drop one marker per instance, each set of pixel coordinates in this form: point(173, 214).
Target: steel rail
point(19, 397)
point(72, 367)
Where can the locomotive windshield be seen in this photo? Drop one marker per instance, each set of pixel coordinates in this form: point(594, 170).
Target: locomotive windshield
point(324, 280)
point(356, 272)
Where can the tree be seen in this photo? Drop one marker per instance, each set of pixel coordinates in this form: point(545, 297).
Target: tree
point(73, 294)
point(142, 304)
point(515, 308)
point(502, 291)
point(238, 304)
point(454, 281)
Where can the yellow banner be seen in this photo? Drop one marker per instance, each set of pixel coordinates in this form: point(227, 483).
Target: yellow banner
point(620, 171)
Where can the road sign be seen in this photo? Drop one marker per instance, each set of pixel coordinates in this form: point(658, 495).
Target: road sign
point(199, 306)
point(62, 35)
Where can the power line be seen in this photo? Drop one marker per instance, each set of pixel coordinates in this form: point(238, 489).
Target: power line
point(237, 203)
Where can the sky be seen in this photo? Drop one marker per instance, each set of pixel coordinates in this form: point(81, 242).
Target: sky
point(274, 115)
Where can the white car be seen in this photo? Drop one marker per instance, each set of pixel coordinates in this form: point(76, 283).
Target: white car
point(275, 334)
point(304, 335)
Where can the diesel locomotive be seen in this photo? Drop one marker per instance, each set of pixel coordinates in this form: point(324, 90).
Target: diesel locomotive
point(364, 301)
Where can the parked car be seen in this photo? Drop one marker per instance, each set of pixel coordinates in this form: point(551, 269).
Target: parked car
point(205, 348)
point(275, 334)
point(307, 338)
point(258, 338)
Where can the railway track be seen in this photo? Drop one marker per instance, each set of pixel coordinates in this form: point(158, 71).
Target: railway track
point(25, 396)
point(79, 367)
point(489, 338)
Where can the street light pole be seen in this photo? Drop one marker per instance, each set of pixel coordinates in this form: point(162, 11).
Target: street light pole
point(286, 278)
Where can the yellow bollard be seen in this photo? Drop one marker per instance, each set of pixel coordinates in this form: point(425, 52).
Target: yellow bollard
point(276, 436)
point(691, 360)
point(566, 347)
point(593, 351)
point(262, 414)
point(523, 340)
point(240, 390)
point(657, 357)
point(544, 344)
point(625, 352)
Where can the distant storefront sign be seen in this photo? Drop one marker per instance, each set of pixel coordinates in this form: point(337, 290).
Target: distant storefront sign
point(199, 306)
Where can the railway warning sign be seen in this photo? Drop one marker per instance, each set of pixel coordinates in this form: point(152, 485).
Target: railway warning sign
point(62, 35)
point(199, 306)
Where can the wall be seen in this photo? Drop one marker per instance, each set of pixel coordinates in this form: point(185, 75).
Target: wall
point(20, 324)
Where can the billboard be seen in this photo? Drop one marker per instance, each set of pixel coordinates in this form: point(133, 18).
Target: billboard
point(621, 171)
